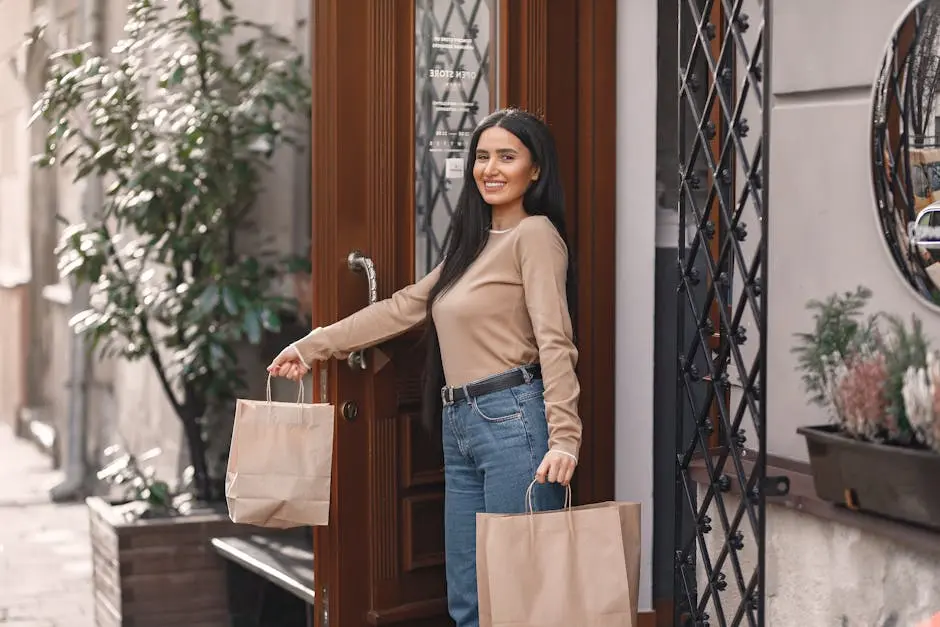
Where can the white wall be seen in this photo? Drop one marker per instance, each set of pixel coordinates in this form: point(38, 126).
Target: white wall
point(823, 233)
point(635, 260)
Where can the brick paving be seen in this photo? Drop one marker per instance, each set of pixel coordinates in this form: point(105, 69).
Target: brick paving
point(45, 554)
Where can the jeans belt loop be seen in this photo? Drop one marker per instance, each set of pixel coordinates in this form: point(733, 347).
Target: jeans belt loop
point(526, 375)
point(466, 394)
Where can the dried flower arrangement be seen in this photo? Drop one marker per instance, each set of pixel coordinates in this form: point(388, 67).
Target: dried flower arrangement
point(877, 376)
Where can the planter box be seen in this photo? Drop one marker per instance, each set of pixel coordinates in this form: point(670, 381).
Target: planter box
point(892, 481)
point(159, 572)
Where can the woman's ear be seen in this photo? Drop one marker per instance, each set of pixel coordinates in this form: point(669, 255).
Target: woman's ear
point(535, 173)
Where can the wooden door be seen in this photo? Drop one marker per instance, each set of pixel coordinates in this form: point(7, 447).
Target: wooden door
point(379, 190)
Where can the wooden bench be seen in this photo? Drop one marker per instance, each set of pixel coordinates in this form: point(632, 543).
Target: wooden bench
point(270, 578)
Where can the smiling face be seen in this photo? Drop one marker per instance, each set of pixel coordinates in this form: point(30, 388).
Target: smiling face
point(502, 168)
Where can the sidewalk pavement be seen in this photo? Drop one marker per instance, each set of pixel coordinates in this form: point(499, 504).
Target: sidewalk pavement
point(45, 553)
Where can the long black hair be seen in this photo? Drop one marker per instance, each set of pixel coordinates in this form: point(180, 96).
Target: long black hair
point(470, 230)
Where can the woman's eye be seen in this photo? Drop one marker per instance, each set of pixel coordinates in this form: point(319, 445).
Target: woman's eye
point(481, 157)
point(507, 157)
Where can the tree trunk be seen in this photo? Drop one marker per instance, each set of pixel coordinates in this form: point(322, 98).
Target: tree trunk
point(197, 457)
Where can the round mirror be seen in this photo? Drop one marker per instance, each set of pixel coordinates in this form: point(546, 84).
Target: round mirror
point(906, 148)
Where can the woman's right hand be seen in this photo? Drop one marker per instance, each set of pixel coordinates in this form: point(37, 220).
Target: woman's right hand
point(288, 364)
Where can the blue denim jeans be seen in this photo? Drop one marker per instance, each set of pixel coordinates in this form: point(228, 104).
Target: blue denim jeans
point(493, 445)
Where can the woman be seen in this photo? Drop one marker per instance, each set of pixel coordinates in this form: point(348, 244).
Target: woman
point(501, 358)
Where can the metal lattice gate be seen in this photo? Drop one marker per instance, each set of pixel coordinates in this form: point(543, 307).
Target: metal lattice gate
point(721, 483)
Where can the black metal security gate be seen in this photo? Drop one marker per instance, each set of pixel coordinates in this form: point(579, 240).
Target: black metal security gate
point(721, 483)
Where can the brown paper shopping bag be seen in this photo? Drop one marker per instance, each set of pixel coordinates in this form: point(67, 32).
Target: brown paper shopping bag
point(280, 463)
point(575, 566)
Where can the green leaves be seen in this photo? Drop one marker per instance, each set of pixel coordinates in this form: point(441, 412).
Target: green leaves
point(208, 300)
point(270, 320)
point(251, 324)
point(231, 298)
point(839, 331)
point(842, 343)
point(176, 77)
point(181, 130)
point(82, 253)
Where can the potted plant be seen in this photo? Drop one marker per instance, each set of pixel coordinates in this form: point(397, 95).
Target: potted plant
point(879, 380)
point(181, 131)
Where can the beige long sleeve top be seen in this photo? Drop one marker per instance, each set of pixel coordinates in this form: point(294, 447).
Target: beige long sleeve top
point(509, 309)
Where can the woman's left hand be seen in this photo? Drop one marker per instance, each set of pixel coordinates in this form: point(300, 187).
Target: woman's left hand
point(556, 467)
point(288, 364)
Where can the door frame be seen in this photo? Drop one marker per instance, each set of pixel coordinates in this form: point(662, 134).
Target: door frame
point(556, 58)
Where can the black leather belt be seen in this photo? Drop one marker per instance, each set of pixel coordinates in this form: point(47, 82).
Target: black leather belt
point(496, 383)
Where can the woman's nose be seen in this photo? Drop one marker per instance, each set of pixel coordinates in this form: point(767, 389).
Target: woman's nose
point(490, 168)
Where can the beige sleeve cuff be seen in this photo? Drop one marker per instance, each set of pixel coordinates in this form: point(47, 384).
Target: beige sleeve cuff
point(300, 356)
point(312, 347)
point(571, 455)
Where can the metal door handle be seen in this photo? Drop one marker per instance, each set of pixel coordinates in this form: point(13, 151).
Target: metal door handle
point(358, 262)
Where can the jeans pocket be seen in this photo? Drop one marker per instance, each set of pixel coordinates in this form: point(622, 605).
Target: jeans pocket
point(528, 391)
point(497, 407)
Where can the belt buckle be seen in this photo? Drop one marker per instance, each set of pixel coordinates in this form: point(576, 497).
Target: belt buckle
point(444, 394)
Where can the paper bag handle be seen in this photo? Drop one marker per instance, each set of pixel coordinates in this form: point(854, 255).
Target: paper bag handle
point(300, 392)
point(528, 498)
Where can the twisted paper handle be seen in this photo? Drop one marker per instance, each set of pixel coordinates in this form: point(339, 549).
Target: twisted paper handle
point(529, 510)
point(300, 392)
point(528, 498)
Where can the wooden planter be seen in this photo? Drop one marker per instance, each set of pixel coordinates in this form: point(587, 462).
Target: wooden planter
point(159, 572)
point(892, 481)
